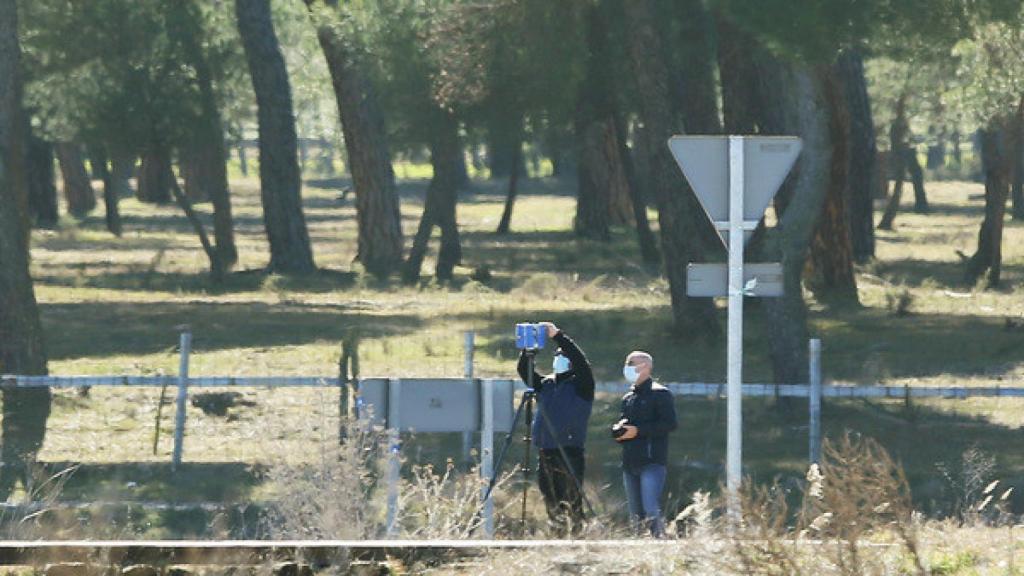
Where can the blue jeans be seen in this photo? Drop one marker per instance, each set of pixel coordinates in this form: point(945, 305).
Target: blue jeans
point(643, 493)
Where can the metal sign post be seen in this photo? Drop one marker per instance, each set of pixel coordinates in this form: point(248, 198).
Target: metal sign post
point(734, 355)
point(734, 178)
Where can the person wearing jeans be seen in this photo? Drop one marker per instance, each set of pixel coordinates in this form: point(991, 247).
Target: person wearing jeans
point(648, 416)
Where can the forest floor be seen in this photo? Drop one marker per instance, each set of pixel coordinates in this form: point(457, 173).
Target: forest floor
point(115, 306)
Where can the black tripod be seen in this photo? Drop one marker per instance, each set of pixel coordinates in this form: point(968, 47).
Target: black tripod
point(526, 404)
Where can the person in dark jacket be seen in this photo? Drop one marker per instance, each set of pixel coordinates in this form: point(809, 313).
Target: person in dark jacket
point(566, 397)
point(648, 415)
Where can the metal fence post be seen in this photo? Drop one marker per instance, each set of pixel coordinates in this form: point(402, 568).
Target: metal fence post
point(814, 400)
point(394, 454)
point(467, 372)
point(487, 454)
point(185, 348)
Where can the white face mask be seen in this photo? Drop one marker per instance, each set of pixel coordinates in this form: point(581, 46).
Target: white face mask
point(630, 373)
point(560, 364)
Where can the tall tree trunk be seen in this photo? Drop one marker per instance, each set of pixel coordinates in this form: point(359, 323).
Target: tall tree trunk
point(1017, 160)
point(738, 78)
point(997, 145)
point(25, 411)
point(42, 190)
point(685, 235)
point(504, 137)
point(122, 167)
point(243, 161)
point(112, 215)
point(280, 187)
point(206, 158)
point(645, 237)
point(377, 204)
point(795, 102)
point(510, 197)
point(190, 167)
point(599, 168)
point(695, 94)
point(863, 154)
point(439, 208)
point(78, 190)
point(216, 268)
point(830, 264)
point(155, 175)
point(955, 145)
point(897, 161)
point(917, 178)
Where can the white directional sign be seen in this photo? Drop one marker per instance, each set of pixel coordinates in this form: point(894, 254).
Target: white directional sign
point(734, 178)
point(704, 161)
point(712, 279)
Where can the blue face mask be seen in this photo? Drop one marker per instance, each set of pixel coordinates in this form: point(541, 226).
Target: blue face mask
point(560, 364)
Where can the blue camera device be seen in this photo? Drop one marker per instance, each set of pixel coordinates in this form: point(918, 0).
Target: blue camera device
point(530, 336)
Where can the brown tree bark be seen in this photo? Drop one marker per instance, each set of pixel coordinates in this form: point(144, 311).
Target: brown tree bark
point(695, 94)
point(830, 266)
point(377, 203)
point(863, 154)
point(42, 189)
point(897, 162)
point(917, 179)
point(22, 351)
point(112, 215)
point(155, 175)
point(122, 167)
point(440, 205)
point(738, 78)
point(513, 190)
point(996, 146)
point(1017, 190)
point(78, 190)
point(280, 188)
point(795, 102)
point(637, 198)
point(686, 236)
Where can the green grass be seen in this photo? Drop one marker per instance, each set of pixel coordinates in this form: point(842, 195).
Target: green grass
point(115, 306)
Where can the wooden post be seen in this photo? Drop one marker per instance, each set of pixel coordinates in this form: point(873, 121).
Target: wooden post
point(814, 401)
point(348, 381)
point(394, 455)
point(185, 348)
point(467, 372)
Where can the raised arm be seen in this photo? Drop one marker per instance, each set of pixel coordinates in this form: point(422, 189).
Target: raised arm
point(584, 374)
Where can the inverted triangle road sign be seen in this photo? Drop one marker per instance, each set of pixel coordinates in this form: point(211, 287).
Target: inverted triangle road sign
point(704, 161)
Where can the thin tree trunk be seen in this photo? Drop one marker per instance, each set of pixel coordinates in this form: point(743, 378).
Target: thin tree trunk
point(377, 204)
point(216, 268)
point(243, 161)
point(863, 153)
point(504, 137)
point(685, 235)
point(917, 179)
point(78, 190)
point(190, 168)
point(155, 175)
point(22, 351)
point(112, 214)
point(510, 197)
point(830, 264)
point(645, 237)
point(439, 208)
point(1017, 191)
point(897, 161)
point(280, 188)
point(210, 161)
point(42, 188)
point(996, 142)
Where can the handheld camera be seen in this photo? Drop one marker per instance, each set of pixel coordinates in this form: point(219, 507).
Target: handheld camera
point(530, 336)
